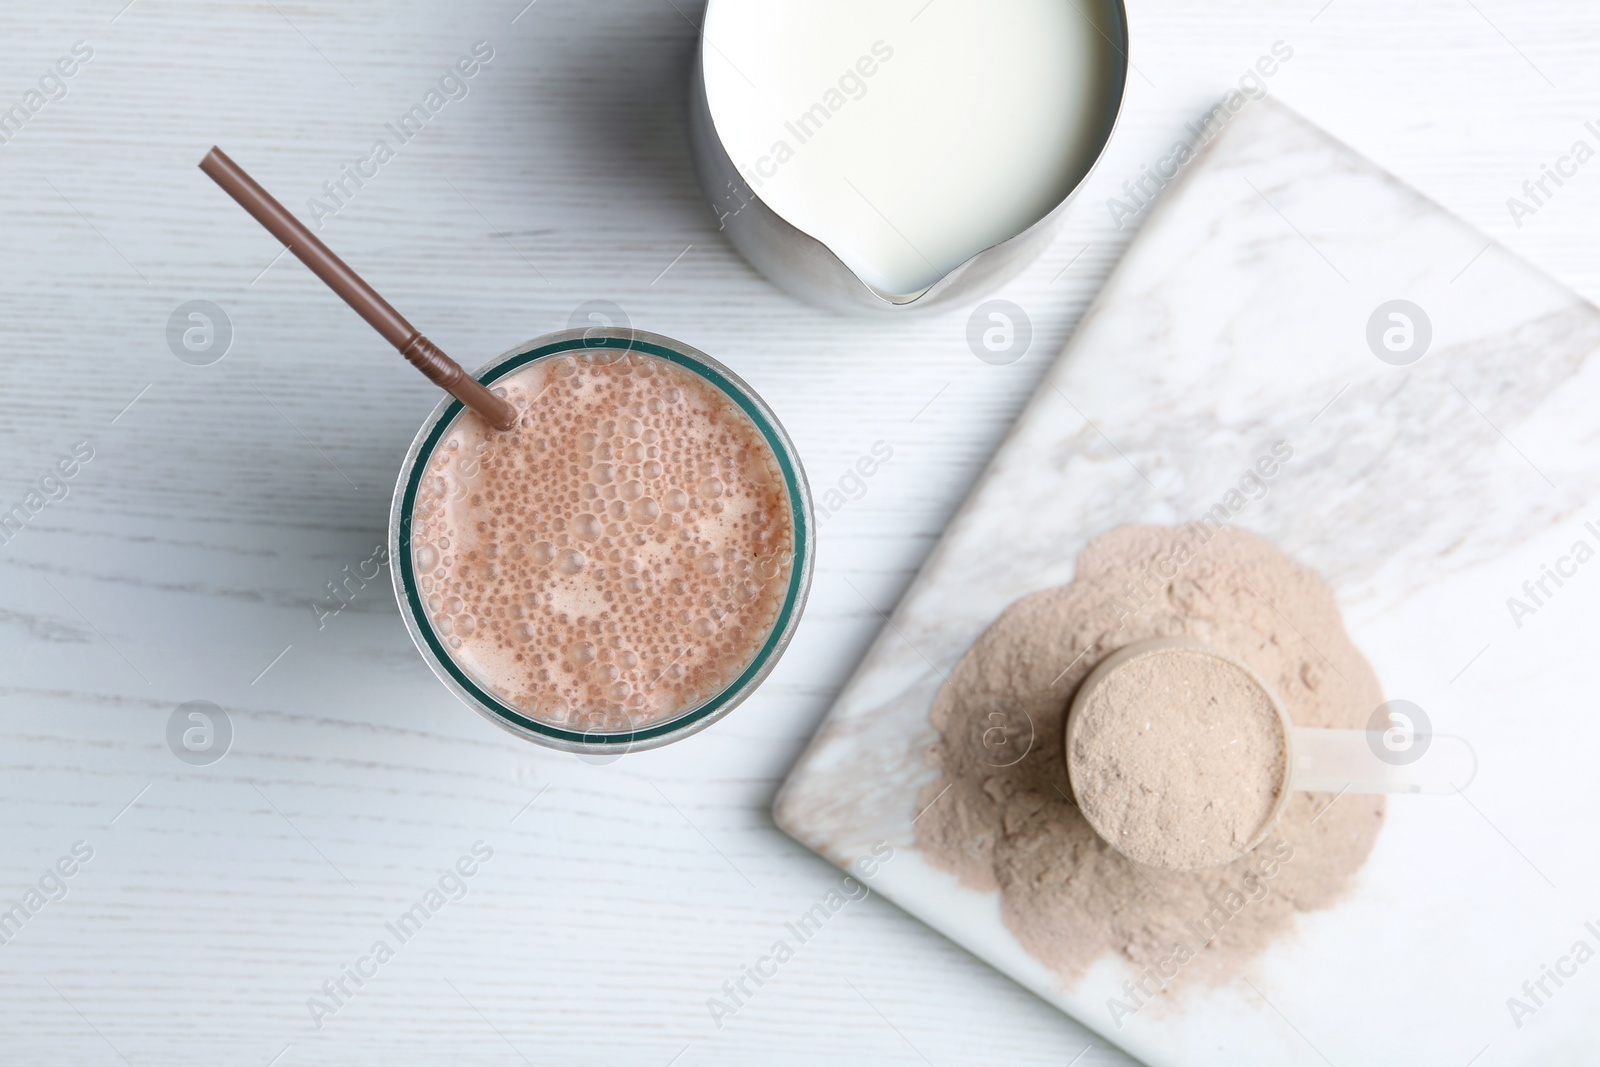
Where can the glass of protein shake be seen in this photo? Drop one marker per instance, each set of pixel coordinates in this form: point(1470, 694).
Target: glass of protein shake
point(623, 567)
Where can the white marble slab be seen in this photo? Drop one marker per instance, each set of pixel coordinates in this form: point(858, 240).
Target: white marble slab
point(1426, 494)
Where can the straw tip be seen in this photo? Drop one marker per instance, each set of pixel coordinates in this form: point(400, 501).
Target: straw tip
point(496, 410)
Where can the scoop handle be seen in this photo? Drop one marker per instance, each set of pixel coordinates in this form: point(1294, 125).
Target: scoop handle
point(1365, 761)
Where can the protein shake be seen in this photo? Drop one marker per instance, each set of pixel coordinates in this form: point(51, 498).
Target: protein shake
point(616, 560)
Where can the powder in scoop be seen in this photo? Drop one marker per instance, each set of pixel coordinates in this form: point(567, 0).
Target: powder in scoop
point(1177, 757)
point(1009, 824)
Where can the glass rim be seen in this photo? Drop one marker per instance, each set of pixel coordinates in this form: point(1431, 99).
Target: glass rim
point(474, 695)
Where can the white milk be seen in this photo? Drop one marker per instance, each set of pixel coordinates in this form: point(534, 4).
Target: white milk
point(909, 135)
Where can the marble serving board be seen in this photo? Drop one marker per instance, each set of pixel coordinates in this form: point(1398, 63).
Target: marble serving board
point(1426, 492)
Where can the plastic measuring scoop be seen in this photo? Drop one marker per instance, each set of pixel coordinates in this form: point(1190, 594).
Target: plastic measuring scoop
point(1398, 753)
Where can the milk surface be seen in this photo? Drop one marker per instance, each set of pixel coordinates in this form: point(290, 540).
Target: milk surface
point(909, 135)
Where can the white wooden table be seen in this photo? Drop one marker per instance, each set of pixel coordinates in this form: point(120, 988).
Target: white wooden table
point(185, 557)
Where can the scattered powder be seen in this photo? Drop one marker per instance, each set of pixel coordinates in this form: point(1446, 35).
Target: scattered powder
point(1008, 822)
point(1178, 757)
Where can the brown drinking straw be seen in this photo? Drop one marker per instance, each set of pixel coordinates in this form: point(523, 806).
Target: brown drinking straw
point(418, 350)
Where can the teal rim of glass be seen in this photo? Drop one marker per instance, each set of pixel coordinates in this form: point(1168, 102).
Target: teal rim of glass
point(791, 483)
